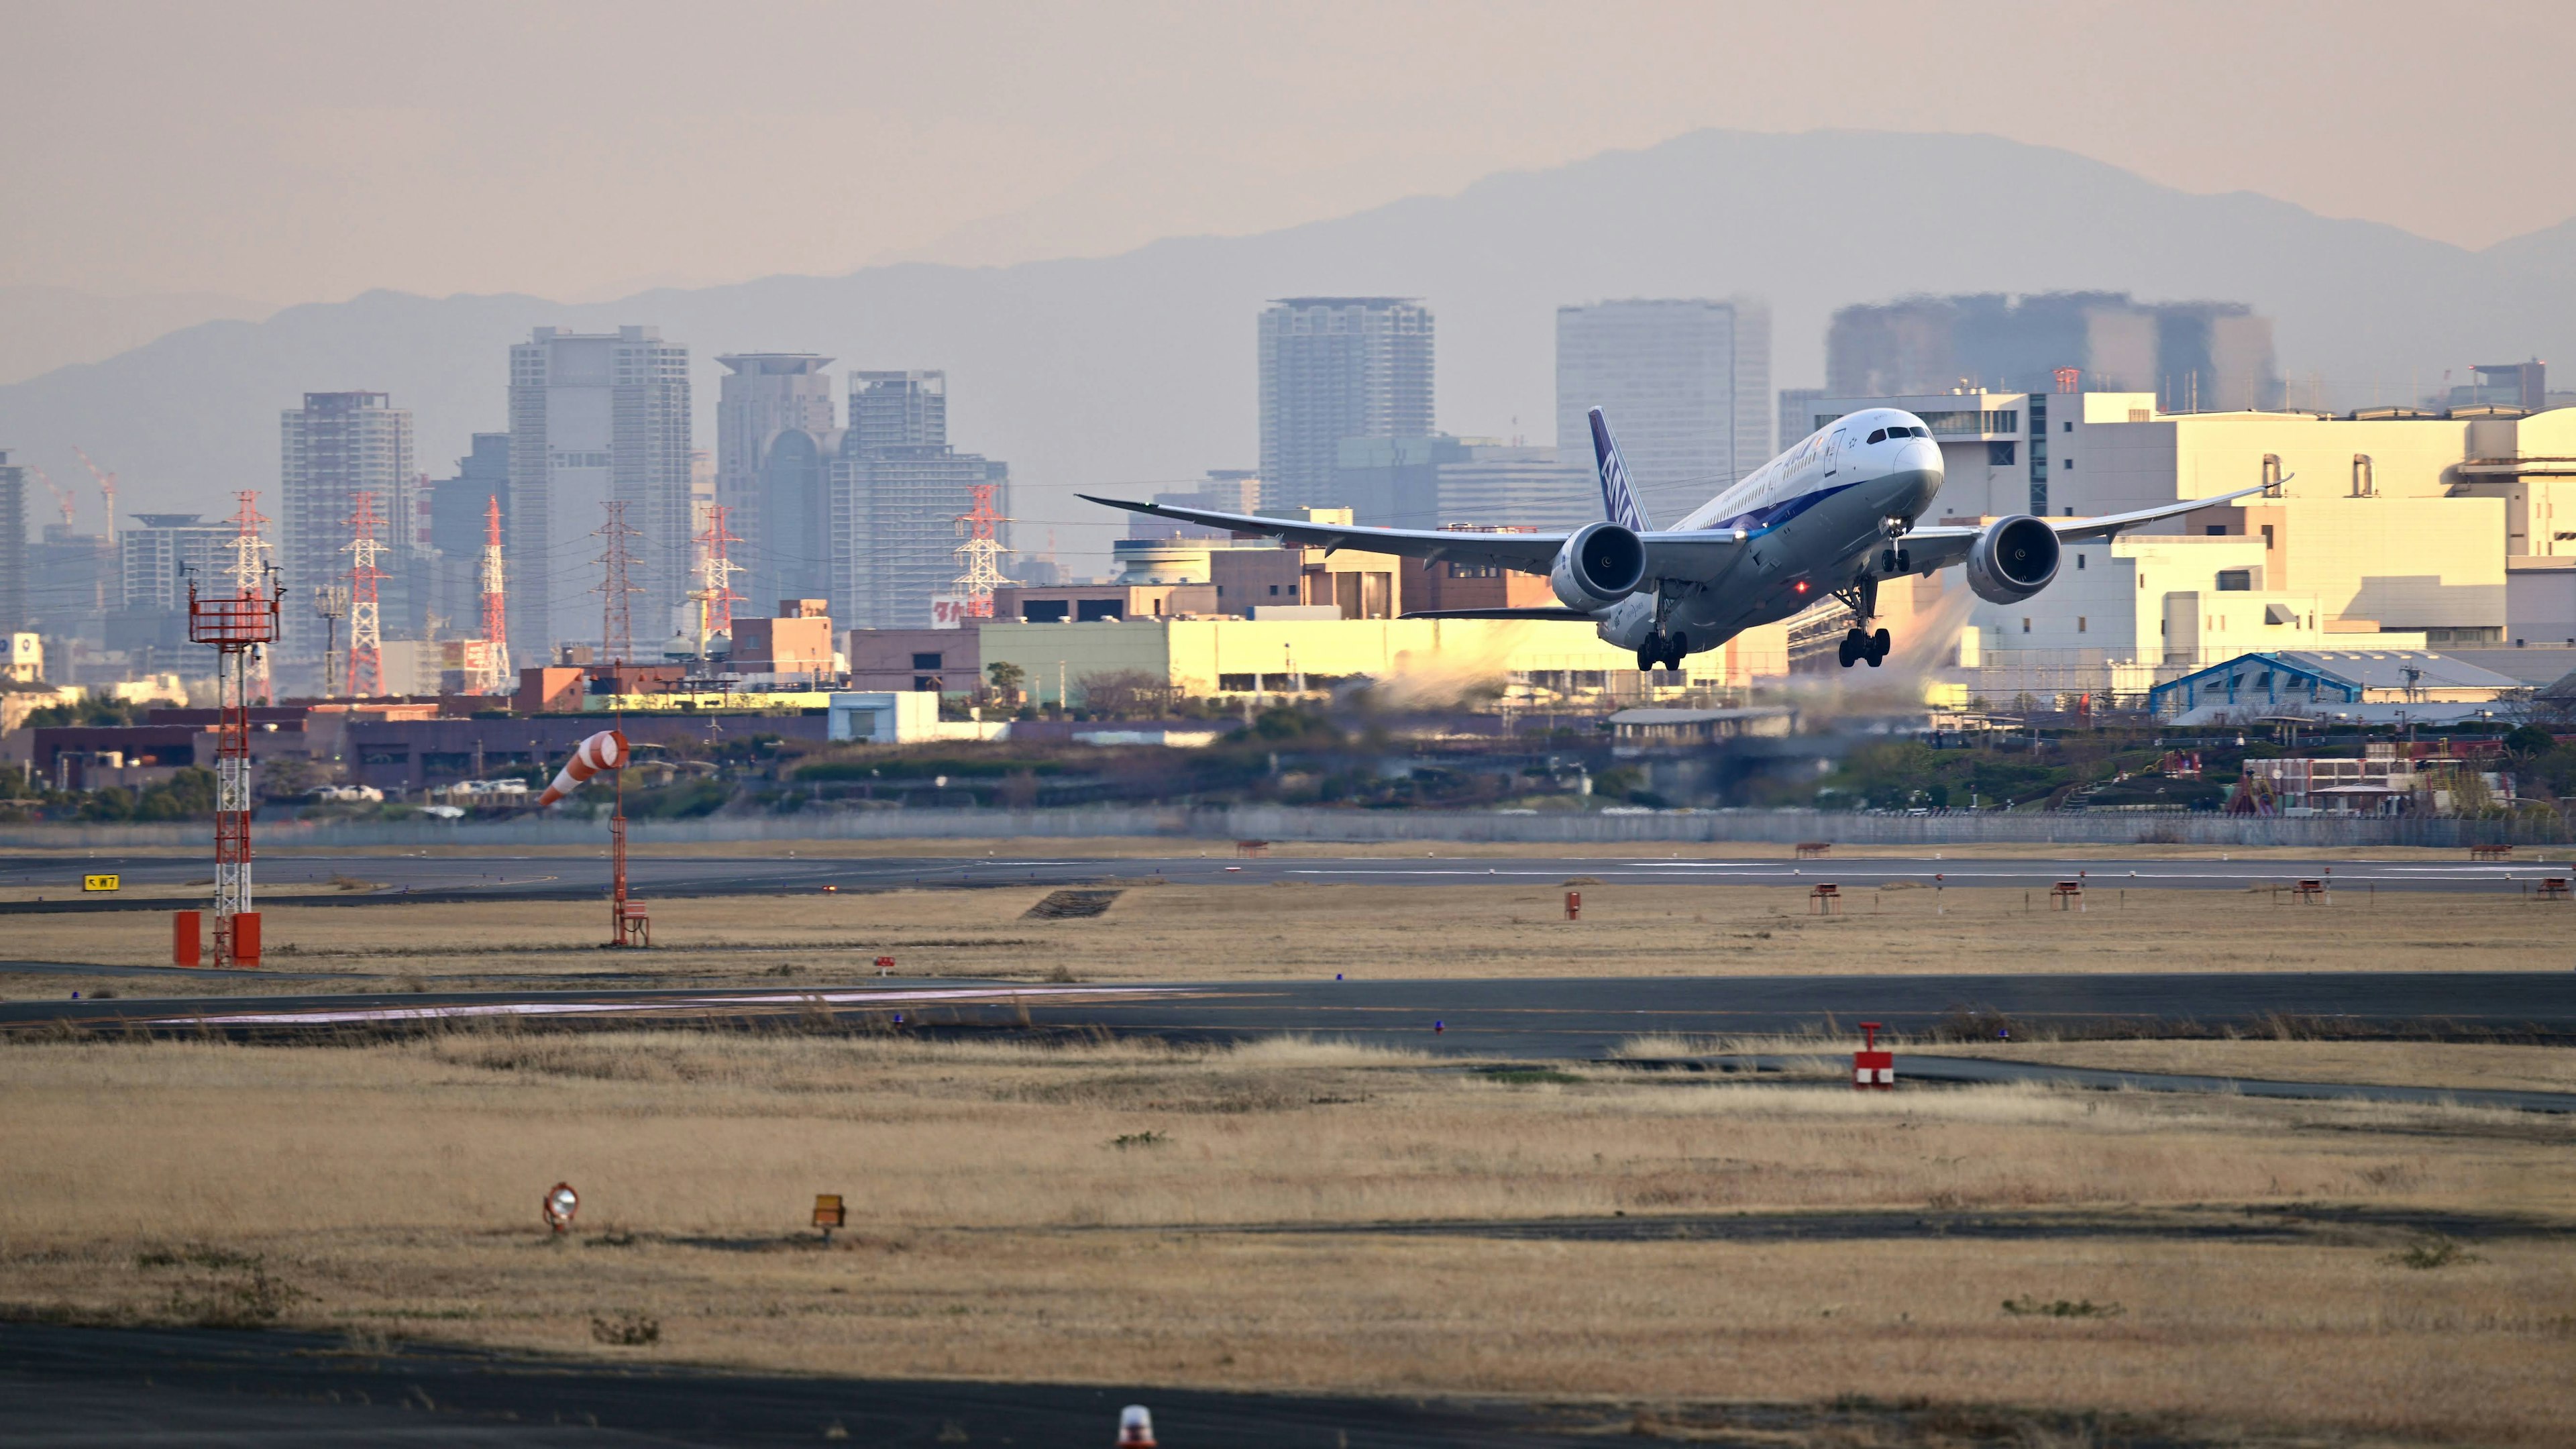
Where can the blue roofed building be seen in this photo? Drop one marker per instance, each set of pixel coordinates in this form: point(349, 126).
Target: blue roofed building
point(2362, 685)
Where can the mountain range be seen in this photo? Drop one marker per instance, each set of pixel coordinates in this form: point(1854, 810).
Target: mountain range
point(1137, 370)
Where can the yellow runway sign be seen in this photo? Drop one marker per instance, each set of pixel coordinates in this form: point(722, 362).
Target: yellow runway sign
point(101, 882)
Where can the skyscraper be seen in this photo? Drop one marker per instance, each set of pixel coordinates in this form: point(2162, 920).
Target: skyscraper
point(13, 545)
point(158, 555)
point(896, 492)
point(455, 542)
point(595, 417)
point(1335, 368)
point(775, 436)
point(1686, 383)
point(2194, 356)
point(338, 445)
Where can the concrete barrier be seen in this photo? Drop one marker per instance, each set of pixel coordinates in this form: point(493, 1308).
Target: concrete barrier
point(1268, 822)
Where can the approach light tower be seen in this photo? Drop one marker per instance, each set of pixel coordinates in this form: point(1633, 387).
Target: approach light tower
point(234, 625)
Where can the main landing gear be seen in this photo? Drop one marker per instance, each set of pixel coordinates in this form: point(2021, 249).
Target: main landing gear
point(1860, 644)
point(1668, 650)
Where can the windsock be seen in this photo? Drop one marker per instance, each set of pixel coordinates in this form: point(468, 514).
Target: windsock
point(605, 750)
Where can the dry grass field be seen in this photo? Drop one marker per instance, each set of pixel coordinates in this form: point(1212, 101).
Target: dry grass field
point(1170, 932)
point(1138, 1214)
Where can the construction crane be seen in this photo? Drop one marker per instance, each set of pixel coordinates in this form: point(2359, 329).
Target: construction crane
point(62, 495)
point(106, 486)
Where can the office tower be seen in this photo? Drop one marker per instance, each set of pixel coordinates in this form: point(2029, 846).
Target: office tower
point(1335, 368)
point(13, 545)
point(896, 492)
point(898, 410)
point(1225, 490)
point(157, 556)
point(594, 417)
point(338, 445)
point(1797, 416)
point(775, 437)
point(1441, 481)
point(2193, 356)
point(455, 534)
point(1686, 384)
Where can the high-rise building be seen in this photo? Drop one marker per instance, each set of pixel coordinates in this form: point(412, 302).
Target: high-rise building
point(775, 437)
point(1441, 481)
point(896, 492)
point(1335, 368)
point(1686, 384)
point(338, 445)
point(455, 533)
point(2193, 356)
point(898, 410)
point(1797, 413)
point(157, 556)
point(13, 545)
point(594, 417)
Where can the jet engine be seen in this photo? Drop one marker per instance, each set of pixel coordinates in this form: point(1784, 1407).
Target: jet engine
point(2013, 559)
point(1602, 564)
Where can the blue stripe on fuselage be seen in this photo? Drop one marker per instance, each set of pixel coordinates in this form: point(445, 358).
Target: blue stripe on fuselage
point(1772, 515)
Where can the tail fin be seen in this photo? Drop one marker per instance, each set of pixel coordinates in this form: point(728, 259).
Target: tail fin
point(1618, 500)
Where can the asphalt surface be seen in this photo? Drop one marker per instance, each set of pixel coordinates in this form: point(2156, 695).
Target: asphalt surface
point(66, 1386)
point(1537, 1018)
point(497, 875)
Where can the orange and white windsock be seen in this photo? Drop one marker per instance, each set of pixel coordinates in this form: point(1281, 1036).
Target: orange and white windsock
point(605, 750)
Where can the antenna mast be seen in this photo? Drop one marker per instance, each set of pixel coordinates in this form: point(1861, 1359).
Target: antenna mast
point(496, 627)
point(982, 552)
point(366, 635)
point(249, 570)
point(617, 620)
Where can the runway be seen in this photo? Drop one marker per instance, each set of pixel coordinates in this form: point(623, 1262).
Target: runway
point(1540, 1018)
point(425, 878)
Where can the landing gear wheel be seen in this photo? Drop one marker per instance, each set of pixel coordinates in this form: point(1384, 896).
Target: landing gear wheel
point(1855, 644)
point(1875, 649)
point(1650, 653)
point(1677, 651)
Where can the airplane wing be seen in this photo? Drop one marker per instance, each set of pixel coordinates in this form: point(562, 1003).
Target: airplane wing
point(1532, 553)
point(1547, 612)
point(1945, 544)
point(1695, 557)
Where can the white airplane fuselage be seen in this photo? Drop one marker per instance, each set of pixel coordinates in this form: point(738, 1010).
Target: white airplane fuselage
point(1816, 519)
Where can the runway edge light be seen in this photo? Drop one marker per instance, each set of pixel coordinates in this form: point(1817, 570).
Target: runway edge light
point(1135, 1427)
point(560, 1205)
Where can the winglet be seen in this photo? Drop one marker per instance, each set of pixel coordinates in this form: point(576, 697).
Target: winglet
point(1618, 499)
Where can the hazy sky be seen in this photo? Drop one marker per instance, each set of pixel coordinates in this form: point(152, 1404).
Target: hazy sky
point(293, 152)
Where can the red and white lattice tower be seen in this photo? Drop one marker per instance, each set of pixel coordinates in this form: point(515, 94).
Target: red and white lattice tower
point(496, 620)
point(235, 625)
point(714, 593)
point(366, 630)
point(982, 553)
point(250, 569)
point(616, 616)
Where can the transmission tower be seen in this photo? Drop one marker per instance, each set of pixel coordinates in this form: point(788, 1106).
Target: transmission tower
point(249, 570)
point(237, 625)
point(982, 553)
point(330, 605)
point(616, 621)
point(496, 627)
point(366, 634)
point(714, 594)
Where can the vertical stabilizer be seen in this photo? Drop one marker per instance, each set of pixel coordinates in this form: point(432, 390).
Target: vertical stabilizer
point(1618, 499)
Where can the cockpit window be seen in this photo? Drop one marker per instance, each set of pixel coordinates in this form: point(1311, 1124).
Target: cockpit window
point(1879, 436)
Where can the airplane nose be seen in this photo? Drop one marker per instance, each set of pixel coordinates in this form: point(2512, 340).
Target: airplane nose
point(1921, 455)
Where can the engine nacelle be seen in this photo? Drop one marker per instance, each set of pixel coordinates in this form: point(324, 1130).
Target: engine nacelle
point(2013, 559)
point(1602, 564)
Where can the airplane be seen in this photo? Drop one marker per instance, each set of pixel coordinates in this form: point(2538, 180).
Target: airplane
point(1834, 516)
